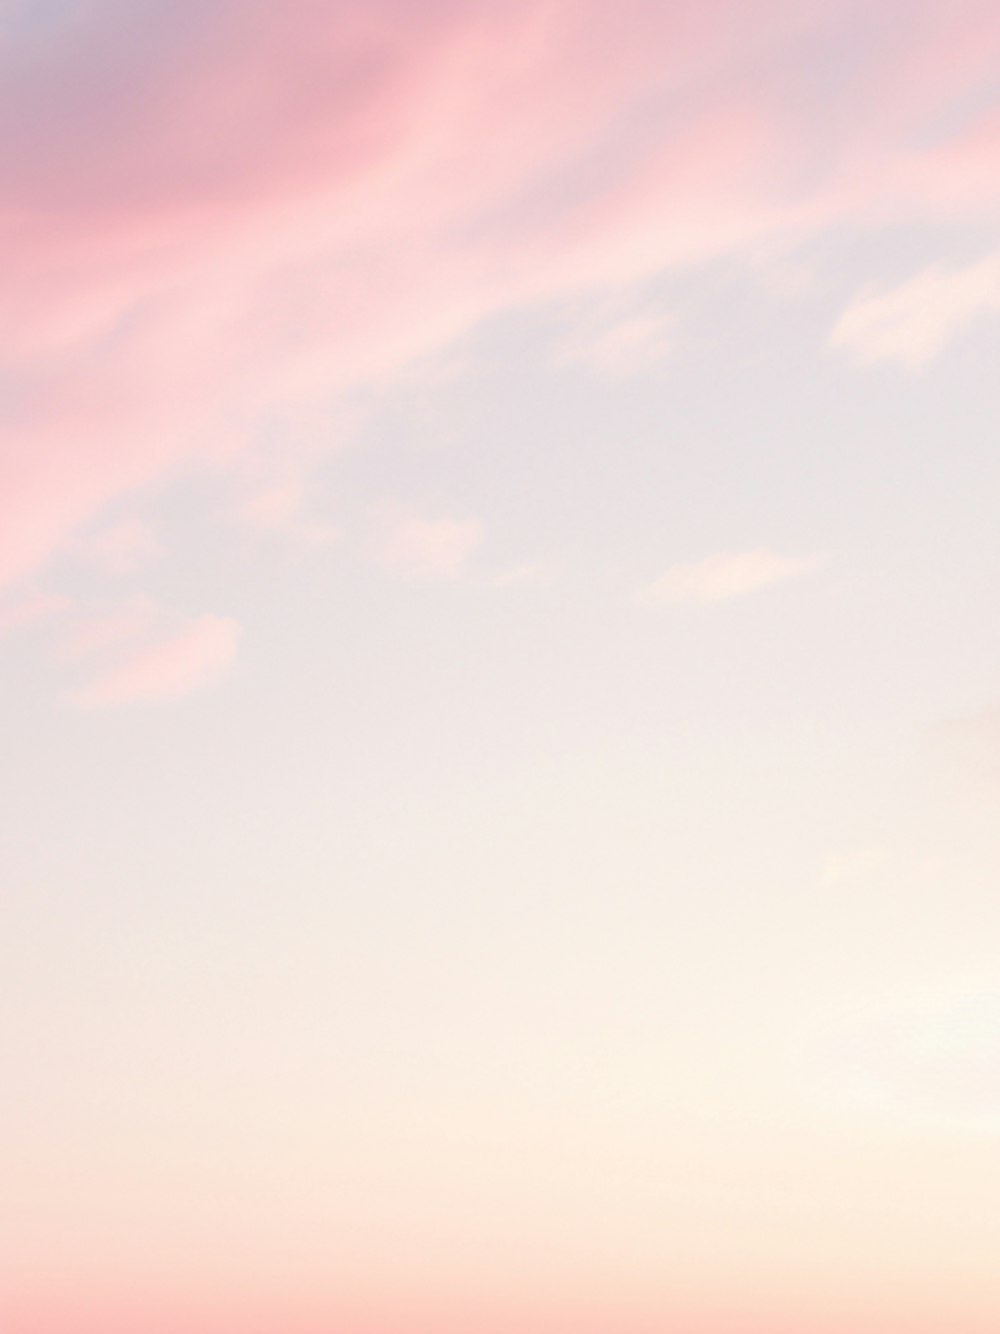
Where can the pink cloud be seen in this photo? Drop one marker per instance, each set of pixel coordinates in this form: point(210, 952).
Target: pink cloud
point(189, 661)
point(306, 195)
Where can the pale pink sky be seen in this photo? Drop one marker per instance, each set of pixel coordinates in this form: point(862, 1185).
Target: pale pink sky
point(500, 671)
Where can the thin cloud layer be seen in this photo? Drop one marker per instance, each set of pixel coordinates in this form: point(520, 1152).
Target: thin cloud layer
point(187, 662)
point(281, 509)
point(309, 196)
point(623, 346)
point(465, 962)
point(911, 323)
point(724, 576)
point(427, 549)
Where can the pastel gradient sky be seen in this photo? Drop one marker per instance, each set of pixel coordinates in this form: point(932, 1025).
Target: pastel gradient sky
point(500, 667)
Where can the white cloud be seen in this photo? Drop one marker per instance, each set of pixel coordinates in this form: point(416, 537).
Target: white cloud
point(911, 323)
point(726, 575)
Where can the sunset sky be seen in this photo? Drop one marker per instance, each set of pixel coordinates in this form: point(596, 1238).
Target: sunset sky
point(500, 667)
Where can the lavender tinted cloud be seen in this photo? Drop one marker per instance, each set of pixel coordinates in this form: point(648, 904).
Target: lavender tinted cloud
point(302, 197)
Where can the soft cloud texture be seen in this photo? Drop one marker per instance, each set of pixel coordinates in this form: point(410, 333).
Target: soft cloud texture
point(621, 346)
point(187, 662)
point(445, 973)
point(727, 575)
point(423, 549)
point(281, 509)
point(310, 196)
point(529, 574)
point(911, 323)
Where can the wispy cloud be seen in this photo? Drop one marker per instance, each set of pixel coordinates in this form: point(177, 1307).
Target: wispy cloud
point(620, 346)
point(727, 575)
point(426, 549)
point(273, 232)
point(189, 661)
point(281, 509)
point(527, 574)
point(911, 323)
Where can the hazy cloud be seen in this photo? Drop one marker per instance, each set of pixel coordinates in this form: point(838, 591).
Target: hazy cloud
point(911, 323)
point(189, 661)
point(420, 548)
point(727, 575)
point(621, 346)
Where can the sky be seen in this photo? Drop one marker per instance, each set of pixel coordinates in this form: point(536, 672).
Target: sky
point(499, 667)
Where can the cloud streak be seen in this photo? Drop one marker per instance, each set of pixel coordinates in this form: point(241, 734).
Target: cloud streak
point(912, 323)
point(621, 347)
point(311, 196)
point(725, 576)
point(189, 661)
point(424, 549)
